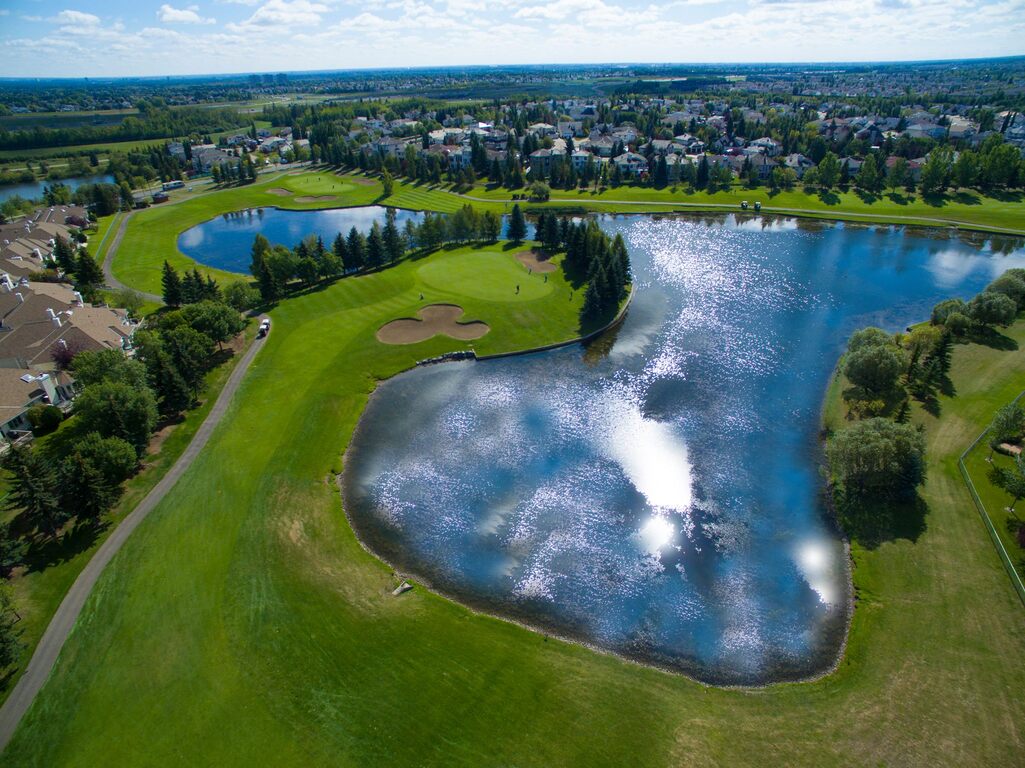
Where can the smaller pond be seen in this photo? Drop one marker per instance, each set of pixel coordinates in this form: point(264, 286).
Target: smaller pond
point(34, 190)
point(225, 242)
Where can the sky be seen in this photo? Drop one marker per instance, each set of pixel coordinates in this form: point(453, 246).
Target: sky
point(71, 38)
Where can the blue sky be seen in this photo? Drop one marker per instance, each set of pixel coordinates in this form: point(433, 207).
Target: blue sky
point(152, 37)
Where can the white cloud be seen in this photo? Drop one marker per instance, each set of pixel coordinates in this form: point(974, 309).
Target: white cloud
point(282, 14)
point(4, 12)
point(77, 18)
point(31, 18)
point(190, 15)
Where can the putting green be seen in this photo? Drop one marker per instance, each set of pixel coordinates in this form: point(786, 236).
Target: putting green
point(487, 275)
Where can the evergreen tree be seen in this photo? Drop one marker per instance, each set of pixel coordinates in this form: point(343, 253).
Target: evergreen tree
point(172, 286)
point(270, 286)
point(192, 287)
point(393, 245)
point(85, 491)
point(340, 250)
point(34, 490)
point(701, 180)
point(64, 255)
point(661, 178)
point(375, 247)
point(356, 250)
point(87, 272)
point(517, 225)
point(261, 247)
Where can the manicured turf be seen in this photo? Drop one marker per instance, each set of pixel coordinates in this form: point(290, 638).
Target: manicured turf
point(462, 274)
point(243, 624)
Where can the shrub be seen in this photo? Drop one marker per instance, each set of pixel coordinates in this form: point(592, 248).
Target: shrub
point(990, 308)
point(945, 309)
point(878, 458)
point(44, 418)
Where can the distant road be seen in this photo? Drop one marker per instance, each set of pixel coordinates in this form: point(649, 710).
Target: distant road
point(63, 621)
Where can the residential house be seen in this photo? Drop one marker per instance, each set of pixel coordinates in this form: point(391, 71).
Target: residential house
point(798, 163)
point(570, 129)
point(20, 390)
point(767, 146)
point(926, 131)
point(631, 164)
point(205, 157)
point(36, 319)
point(542, 159)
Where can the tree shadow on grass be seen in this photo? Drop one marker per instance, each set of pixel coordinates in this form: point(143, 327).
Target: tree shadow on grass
point(898, 199)
point(992, 338)
point(42, 553)
point(966, 198)
point(1006, 195)
point(828, 197)
point(871, 521)
point(866, 197)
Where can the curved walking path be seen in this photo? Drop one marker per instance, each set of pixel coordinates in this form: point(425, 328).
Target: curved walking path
point(63, 621)
point(108, 260)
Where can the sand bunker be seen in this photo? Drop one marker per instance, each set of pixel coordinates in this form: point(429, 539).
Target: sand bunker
point(437, 318)
point(314, 198)
point(279, 192)
point(530, 260)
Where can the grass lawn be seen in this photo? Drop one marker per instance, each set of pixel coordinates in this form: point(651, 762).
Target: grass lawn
point(39, 588)
point(462, 275)
point(996, 500)
point(243, 624)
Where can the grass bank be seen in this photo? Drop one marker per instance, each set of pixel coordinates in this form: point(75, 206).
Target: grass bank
point(243, 624)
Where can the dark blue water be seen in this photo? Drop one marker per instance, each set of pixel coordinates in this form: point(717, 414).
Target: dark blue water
point(34, 190)
point(662, 501)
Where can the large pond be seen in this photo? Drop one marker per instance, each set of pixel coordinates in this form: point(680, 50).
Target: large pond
point(34, 190)
point(658, 495)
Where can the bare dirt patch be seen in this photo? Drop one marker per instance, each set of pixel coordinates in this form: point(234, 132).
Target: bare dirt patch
point(279, 191)
point(314, 198)
point(360, 180)
point(531, 261)
point(435, 319)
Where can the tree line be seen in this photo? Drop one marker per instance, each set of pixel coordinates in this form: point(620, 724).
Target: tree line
point(878, 462)
point(154, 123)
point(278, 269)
point(593, 256)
